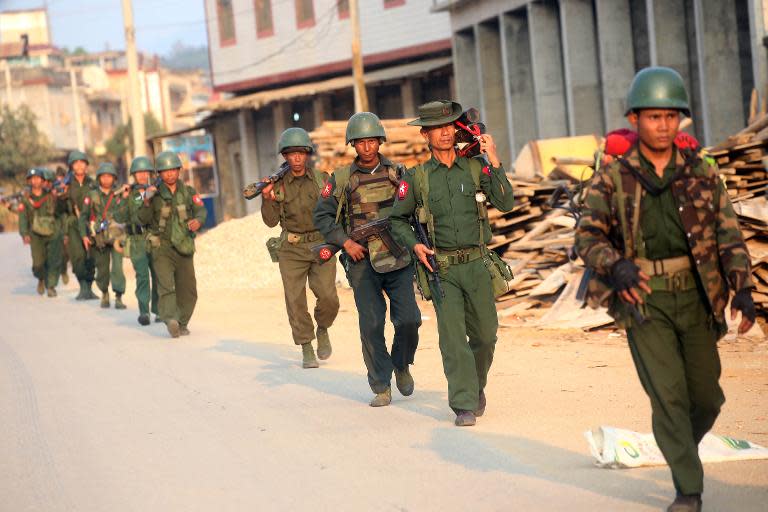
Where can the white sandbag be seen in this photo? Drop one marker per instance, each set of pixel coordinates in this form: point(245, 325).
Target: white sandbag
point(618, 448)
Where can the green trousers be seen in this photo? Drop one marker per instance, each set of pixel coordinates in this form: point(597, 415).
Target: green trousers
point(83, 264)
point(467, 325)
point(146, 280)
point(46, 258)
point(297, 268)
point(176, 283)
point(675, 354)
point(106, 274)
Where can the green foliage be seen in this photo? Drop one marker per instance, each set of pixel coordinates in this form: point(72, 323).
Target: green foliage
point(185, 57)
point(22, 146)
point(122, 141)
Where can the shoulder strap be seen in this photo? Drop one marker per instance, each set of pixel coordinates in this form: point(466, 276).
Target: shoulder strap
point(475, 168)
point(341, 176)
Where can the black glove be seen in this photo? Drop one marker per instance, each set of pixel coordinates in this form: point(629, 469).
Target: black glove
point(743, 302)
point(625, 275)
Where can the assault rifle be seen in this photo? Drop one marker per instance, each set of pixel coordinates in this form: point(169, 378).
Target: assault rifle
point(149, 194)
point(380, 228)
point(433, 277)
point(255, 189)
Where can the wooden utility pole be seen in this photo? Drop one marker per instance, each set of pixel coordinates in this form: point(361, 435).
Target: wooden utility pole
point(361, 95)
point(76, 109)
point(137, 116)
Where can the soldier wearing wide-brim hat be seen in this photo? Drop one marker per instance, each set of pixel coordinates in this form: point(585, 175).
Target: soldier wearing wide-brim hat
point(290, 202)
point(448, 194)
point(661, 236)
point(356, 195)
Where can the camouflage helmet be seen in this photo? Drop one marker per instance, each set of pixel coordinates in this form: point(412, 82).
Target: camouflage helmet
point(167, 160)
point(295, 138)
point(141, 163)
point(37, 171)
point(76, 155)
point(106, 168)
point(658, 87)
point(364, 125)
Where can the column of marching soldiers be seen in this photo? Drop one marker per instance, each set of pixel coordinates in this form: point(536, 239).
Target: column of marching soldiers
point(657, 233)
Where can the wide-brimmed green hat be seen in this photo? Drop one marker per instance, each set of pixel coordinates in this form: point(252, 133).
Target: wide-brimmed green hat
point(437, 112)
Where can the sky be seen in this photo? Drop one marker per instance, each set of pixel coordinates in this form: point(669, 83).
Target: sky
point(98, 24)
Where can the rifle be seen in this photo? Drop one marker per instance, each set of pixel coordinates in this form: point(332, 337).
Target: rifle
point(433, 277)
point(149, 194)
point(254, 189)
point(470, 127)
point(380, 228)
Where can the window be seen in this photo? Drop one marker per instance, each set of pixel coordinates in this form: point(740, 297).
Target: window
point(343, 6)
point(393, 3)
point(263, 10)
point(305, 14)
point(226, 16)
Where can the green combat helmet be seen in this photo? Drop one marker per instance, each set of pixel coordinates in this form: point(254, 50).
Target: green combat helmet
point(167, 160)
point(76, 155)
point(295, 138)
point(106, 168)
point(658, 87)
point(37, 171)
point(141, 163)
point(364, 125)
point(49, 175)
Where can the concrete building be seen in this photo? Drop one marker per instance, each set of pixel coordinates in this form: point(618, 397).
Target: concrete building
point(288, 63)
point(550, 68)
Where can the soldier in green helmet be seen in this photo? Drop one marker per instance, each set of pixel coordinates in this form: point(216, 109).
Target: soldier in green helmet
point(354, 196)
point(59, 189)
point(290, 202)
point(174, 213)
point(448, 193)
point(101, 234)
point(73, 196)
point(661, 236)
point(40, 228)
point(136, 245)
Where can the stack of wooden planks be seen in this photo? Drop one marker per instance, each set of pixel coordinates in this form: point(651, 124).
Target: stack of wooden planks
point(741, 160)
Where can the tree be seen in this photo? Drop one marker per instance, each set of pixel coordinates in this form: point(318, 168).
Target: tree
point(122, 141)
point(22, 146)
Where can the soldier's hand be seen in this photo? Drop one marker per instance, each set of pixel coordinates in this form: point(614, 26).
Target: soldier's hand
point(193, 225)
point(268, 192)
point(66, 239)
point(86, 243)
point(488, 147)
point(27, 240)
point(628, 280)
point(743, 302)
point(422, 251)
point(126, 190)
point(355, 250)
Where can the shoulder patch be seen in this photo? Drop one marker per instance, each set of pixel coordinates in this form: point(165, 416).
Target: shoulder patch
point(327, 190)
point(197, 200)
point(402, 190)
point(486, 170)
point(21, 207)
point(87, 200)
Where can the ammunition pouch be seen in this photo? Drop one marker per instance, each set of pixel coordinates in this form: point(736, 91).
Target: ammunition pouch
point(501, 273)
point(43, 225)
point(273, 247)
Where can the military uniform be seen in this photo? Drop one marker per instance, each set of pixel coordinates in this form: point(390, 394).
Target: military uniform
point(136, 244)
point(39, 220)
point(353, 197)
point(97, 220)
point(172, 246)
point(681, 230)
point(459, 232)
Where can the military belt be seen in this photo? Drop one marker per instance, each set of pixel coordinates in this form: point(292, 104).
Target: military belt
point(135, 229)
point(301, 238)
point(664, 266)
point(460, 256)
point(677, 282)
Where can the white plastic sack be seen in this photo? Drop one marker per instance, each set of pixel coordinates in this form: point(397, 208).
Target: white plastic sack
point(618, 448)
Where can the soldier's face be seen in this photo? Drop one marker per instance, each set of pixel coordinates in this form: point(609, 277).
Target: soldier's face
point(657, 128)
point(106, 180)
point(441, 138)
point(297, 160)
point(36, 181)
point(367, 149)
point(142, 177)
point(79, 167)
point(170, 177)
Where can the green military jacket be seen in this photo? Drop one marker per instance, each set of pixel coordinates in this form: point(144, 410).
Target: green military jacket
point(129, 208)
point(76, 194)
point(452, 202)
point(39, 214)
point(295, 199)
point(98, 207)
point(609, 229)
point(167, 215)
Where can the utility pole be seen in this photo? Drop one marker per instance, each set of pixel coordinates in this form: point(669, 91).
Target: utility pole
point(76, 108)
point(137, 116)
point(361, 95)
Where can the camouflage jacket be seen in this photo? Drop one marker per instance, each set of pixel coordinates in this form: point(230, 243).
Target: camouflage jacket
point(609, 230)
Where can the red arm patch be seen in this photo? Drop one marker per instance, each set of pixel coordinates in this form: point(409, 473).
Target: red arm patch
point(20, 208)
point(402, 190)
point(487, 170)
point(87, 201)
point(197, 200)
point(327, 189)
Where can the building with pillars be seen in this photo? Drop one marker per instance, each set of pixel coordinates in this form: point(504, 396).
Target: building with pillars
point(551, 68)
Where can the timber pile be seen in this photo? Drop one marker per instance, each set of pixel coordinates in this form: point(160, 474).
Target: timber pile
point(404, 144)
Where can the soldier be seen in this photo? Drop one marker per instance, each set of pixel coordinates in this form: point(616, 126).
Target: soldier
point(661, 235)
point(97, 220)
point(74, 197)
point(61, 173)
point(290, 202)
point(41, 230)
point(175, 214)
point(136, 246)
point(354, 196)
point(450, 191)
